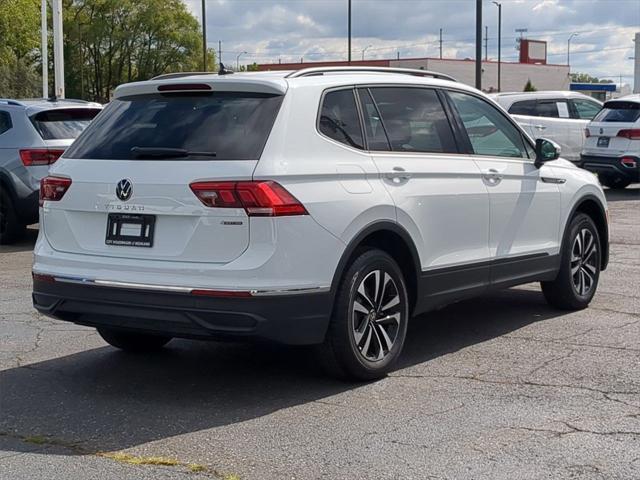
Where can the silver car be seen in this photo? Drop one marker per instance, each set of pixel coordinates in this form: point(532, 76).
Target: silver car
point(33, 134)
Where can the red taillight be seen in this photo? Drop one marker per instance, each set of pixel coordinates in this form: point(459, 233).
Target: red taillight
point(628, 162)
point(40, 156)
point(53, 188)
point(587, 133)
point(259, 199)
point(631, 134)
point(39, 277)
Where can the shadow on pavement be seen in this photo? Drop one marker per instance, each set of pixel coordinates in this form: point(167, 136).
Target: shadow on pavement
point(632, 192)
point(107, 400)
point(25, 244)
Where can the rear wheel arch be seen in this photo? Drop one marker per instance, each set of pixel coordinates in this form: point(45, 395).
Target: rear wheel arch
point(592, 206)
point(392, 239)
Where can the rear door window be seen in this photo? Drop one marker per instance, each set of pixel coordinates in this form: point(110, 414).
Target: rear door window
point(619, 111)
point(552, 109)
point(5, 122)
point(63, 124)
point(526, 107)
point(585, 109)
point(339, 118)
point(414, 120)
point(207, 126)
point(376, 136)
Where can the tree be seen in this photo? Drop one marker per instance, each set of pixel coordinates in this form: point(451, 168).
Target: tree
point(19, 53)
point(529, 87)
point(109, 42)
point(586, 78)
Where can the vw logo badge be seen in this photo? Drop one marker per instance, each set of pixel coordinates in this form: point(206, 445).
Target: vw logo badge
point(124, 189)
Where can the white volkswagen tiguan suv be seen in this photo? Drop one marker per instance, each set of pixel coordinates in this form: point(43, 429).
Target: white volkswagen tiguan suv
point(325, 206)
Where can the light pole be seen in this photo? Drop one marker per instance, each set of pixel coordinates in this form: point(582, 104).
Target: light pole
point(349, 35)
point(238, 61)
point(44, 46)
point(204, 36)
point(479, 44)
point(569, 50)
point(364, 50)
point(499, 5)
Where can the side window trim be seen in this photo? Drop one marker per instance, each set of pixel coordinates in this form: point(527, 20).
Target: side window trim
point(358, 89)
point(359, 114)
point(525, 139)
point(459, 132)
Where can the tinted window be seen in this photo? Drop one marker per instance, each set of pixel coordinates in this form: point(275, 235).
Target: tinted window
point(414, 120)
point(339, 118)
point(619, 111)
point(376, 136)
point(586, 109)
point(527, 107)
point(234, 126)
point(63, 124)
point(489, 131)
point(5, 122)
point(547, 108)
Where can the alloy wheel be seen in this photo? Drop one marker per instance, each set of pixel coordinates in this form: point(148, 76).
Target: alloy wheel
point(376, 315)
point(584, 261)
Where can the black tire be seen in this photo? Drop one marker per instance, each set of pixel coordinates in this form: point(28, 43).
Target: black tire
point(578, 264)
point(11, 230)
point(340, 353)
point(615, 183)
point(132, 341)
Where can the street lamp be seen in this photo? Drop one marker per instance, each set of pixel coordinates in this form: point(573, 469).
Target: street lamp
point(238, 61)
point(569, 50)
point(364, 50)
point(499, 5)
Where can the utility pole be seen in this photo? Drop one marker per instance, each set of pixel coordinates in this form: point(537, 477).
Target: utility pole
point(499, 5)
point(569, 50)
point(636, 65)
point(486, 43)
point(220, 52)
point(479, 44)
point(58, 51)
point(204, 36)
point(44, 48)
point(440, 44)
point(349, 35)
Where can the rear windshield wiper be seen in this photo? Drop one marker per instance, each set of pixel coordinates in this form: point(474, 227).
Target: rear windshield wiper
point(166, 152)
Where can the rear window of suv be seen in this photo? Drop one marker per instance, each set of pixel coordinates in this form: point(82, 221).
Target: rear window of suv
point(63, 124)
point(218, 125)
point(618, 111)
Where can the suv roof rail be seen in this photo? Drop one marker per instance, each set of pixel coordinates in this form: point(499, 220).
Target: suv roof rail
point(168, 76)
point(8, 101)
point(313, 71)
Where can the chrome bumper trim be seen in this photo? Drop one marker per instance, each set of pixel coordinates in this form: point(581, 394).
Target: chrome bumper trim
point(178, 289)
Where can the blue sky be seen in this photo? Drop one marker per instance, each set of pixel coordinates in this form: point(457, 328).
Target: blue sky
point(316, 30)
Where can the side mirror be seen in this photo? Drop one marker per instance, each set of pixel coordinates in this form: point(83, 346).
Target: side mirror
point(546, 150)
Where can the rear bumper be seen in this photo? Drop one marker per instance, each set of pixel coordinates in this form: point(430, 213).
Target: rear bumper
point(610, 166)
point(296, 319)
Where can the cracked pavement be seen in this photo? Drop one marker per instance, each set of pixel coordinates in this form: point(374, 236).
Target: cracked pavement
point(498, 387)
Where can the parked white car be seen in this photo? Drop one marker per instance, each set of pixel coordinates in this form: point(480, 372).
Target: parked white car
point(324, 206)
point(558, 116)
point(612, 148)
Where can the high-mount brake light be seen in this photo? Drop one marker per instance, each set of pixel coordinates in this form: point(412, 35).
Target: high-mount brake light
point(52, 188)
point(181, 87)
point(39, 156)
point(264, 198)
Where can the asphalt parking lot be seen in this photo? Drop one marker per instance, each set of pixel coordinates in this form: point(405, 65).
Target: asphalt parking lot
point(500, 387)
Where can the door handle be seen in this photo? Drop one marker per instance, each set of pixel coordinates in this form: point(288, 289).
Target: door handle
point(492, 176)
point(398, 174)
point(540, 127)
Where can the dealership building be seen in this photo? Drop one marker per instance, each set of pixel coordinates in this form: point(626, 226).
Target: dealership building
point(532, 66)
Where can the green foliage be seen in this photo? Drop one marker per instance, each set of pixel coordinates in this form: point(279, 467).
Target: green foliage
point(109, 42)
point(253, 67)
point(529, 87)
point(106, 43)
point(586, 78)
